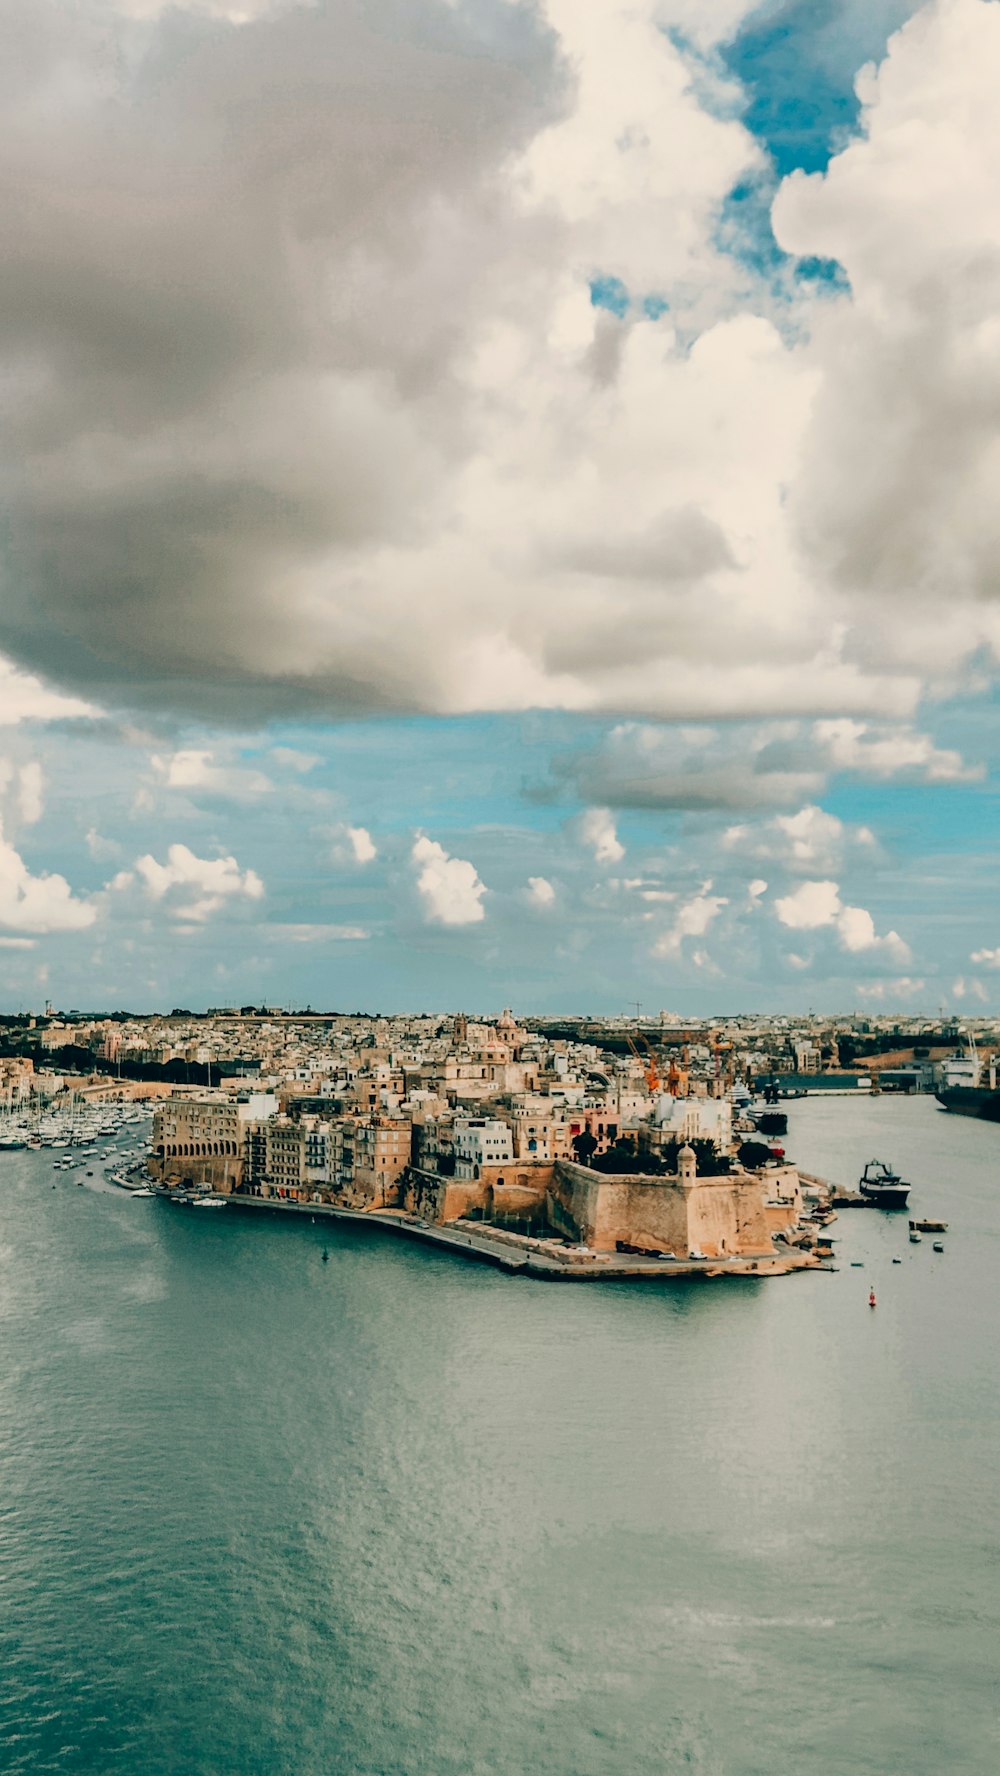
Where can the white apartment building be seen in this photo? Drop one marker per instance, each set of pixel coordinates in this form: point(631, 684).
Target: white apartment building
point(481, 1141)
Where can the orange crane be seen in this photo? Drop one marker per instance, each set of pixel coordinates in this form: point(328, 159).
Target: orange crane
point(677, 1076)
point(647, 1062)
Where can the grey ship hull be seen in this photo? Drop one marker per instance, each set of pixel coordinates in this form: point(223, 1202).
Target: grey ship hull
point(971, 1100)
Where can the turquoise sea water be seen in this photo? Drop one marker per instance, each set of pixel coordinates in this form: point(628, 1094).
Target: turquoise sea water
point(394, 1515)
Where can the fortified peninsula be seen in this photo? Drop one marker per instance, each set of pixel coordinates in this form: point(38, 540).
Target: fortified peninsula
point(532, 1153)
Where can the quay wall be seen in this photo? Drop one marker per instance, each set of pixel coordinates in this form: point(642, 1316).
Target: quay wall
point(224, 1172)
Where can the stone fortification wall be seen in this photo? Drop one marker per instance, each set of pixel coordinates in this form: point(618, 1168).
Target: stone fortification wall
point(513, 1191)
point(728, 1215)
point(438, 1198)
point(715, 1215)
point(601, 1208)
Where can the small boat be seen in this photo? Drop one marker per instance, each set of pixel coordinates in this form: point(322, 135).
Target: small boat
point(938, 1246)
point(325, 1256)
point(857, 1264)
point(882, 1187)
point(897, 1261)
point(929, 1226)
point(871, 1299)
point(914, 1237)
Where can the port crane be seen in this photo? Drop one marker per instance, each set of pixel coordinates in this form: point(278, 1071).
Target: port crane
point(646, 1061)
point(674, 1080)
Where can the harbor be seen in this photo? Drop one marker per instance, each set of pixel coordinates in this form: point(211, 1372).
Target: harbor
point(717, 1480)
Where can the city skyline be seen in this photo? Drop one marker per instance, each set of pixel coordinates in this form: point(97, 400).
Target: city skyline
point(539, 549)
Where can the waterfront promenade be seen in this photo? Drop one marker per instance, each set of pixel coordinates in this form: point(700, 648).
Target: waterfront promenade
point(521, 1255)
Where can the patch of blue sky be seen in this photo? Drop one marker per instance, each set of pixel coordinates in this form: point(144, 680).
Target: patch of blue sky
point(744, 227)
point(744, 232)
point(822, 271)
point(612, 294)
point(797, 62)
point(444, 774)
point(912, 820)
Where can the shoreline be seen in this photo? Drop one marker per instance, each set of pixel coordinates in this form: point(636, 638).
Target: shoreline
point(506, 1252)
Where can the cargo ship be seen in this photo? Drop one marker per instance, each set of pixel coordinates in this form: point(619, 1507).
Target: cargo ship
point(967, 1087)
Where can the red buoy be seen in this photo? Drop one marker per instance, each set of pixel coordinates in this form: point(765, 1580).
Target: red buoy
point(871, 1300)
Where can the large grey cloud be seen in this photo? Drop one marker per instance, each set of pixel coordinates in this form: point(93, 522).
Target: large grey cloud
point(304, 403)
point(237, 265)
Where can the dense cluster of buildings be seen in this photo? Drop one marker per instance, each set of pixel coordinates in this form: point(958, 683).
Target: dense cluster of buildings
point(521, 1130)
point(626, 1134)
point(283, 1049)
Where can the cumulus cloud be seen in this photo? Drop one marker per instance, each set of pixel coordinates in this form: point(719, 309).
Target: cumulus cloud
point(353, 844)
point(195, 887)
point(692, 919)
point(268, 441)
point(597, 831)
point(251, 260)
point(41, 904)
point(811, 905)
point(21, 791)
point(100, 848)
point(814, 905)
point(540, 891)
point(749, 767)
point(891, 752)
point(964, 988)
point(810, 840)
point(30, 796)
point(650, 765)
point(197, 771)
point(986, 958)
point(307, 403)
point(895, 502)
point(449, 887)
point(904, 986)
point(25, 698)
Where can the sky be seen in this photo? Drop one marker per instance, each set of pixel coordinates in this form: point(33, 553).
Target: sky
point(498, 504)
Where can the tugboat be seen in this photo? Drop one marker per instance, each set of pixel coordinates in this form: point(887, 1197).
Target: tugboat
point(883, 1187)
